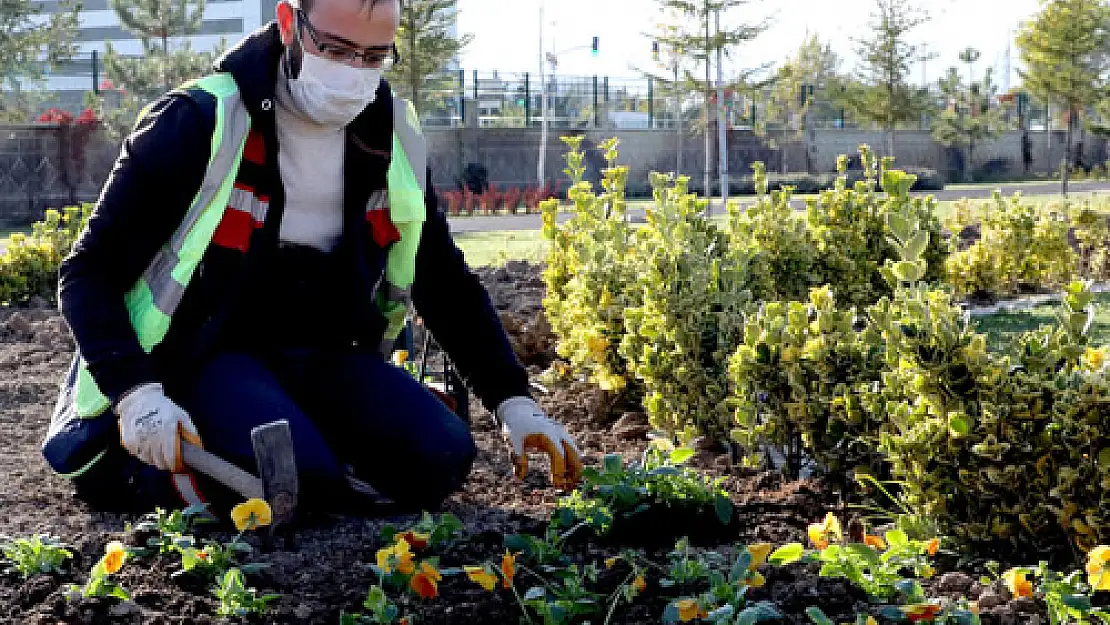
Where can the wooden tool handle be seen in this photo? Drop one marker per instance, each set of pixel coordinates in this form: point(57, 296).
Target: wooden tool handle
point(222, 471)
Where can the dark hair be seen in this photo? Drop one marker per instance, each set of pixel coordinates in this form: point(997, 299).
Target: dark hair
point(306, 5)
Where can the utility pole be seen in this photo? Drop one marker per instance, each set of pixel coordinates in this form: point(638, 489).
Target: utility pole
point(1009, 68)
point(924, 58)
point(677, 115)
point(722, 129)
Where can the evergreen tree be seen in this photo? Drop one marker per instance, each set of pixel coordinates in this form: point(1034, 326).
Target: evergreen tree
point(884, 95)
point(672, 65)
point(1064, 53)
point(163, 65)
point(427, 48)
point(701, 38)
point(29, 45)
point(968, 117)
point(808, 82)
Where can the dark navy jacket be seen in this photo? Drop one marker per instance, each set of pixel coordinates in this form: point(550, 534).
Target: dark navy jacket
point(151, 187)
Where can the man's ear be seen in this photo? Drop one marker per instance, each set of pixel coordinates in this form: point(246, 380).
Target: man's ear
point(285, 21)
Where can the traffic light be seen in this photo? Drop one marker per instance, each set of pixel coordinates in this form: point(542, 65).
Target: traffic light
point(655, 51)
point(596, 49)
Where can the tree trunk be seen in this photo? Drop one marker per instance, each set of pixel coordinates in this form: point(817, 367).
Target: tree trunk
point(969, 166)
point(678, 120)
point(708, 116)
point(165, 61)
point(1065, 163)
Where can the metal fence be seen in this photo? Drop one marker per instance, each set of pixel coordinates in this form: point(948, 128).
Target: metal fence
point(515, 100)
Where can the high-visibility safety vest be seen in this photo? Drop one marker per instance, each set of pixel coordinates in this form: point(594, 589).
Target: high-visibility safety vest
point(154, 298)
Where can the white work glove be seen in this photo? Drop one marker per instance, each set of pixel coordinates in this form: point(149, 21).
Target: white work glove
point(151, 427)
point(530, 430)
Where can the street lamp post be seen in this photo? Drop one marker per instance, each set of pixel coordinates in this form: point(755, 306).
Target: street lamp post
point(552, 58)
point(722, 129)
point(541, 168)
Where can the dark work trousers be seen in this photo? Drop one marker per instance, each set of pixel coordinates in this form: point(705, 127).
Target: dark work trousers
point(286, 356)
point(348, 410)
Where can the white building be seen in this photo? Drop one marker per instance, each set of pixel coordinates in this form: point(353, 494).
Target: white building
point(223, 19)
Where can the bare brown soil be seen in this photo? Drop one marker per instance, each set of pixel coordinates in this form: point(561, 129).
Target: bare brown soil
point(325, 567)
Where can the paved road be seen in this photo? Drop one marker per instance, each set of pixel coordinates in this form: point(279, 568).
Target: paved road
point(533, 222)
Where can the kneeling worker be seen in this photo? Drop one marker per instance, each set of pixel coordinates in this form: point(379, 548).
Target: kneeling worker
point(252, 257)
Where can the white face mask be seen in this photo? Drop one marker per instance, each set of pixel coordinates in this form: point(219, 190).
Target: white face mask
point(333, 93)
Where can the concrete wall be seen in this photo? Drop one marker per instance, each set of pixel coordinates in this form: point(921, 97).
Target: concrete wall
point(46, 166)
point(511, 155)
point(40, 167)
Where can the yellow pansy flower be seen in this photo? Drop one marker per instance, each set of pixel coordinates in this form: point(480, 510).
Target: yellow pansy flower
point(426, 583)
point(687, 609)
point(482, 576)
point(1098, 568)
point(820, 534)
point(759, 552)
point(1018, 585)
point(114, 556)
point(251, 515)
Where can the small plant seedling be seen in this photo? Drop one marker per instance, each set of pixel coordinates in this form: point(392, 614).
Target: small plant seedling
point(236, 599)
point(619, 492)
point(31, 556)
point(169, 531)
point(432, 531)
point(381, 610)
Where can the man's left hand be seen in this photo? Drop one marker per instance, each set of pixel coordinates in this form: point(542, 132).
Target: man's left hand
point(530, 430)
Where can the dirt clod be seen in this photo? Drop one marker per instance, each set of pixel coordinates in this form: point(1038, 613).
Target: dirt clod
point(955, 582)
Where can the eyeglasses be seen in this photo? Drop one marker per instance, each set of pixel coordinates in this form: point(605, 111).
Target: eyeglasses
point(376, 57)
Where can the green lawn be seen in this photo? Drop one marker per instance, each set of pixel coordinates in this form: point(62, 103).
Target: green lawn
point(7, 232)
point(494, 248)
point(1001, 327)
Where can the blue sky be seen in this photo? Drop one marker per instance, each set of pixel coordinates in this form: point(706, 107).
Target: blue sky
point(507, 32)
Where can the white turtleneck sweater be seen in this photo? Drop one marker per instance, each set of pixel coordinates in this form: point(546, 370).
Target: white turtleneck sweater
point(310, 157)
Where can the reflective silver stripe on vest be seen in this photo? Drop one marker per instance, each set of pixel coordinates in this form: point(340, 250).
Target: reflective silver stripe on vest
point(168, 291)
point(395, 294)
point(415, 148)
point(379, 200)
point(247, 202)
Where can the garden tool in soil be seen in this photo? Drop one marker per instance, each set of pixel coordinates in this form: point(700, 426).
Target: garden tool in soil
point(276, 482)
point(159, 432)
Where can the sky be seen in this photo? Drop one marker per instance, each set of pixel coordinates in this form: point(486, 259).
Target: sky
point(506, 33)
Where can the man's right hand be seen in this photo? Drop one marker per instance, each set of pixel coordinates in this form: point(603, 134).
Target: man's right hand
point(151, 427)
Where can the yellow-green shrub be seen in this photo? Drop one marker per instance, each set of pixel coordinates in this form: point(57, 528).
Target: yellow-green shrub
point(782, 252)
point(1092, 233)
point(804, 370)
point(848, 227)
point(29, 264)
point(999, 449)
point(591, 270)
point(1020, 249)
point(798, 377)
point(695, 292)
